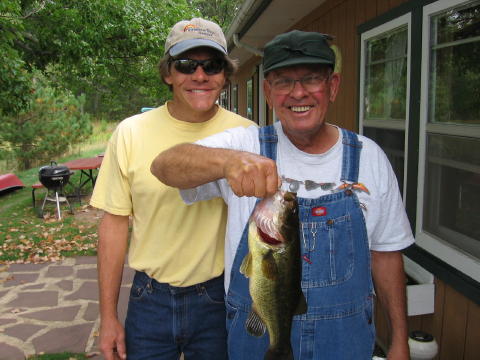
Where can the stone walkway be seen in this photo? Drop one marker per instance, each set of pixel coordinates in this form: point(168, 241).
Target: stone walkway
point(52, 307)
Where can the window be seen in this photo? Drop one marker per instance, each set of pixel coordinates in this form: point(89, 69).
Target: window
point(384, 90)
point(223, 99)
point(250, 98)
point(234, 107)
point(449, 170)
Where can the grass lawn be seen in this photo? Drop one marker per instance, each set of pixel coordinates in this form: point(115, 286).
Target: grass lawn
point(24, 237)
point(62, 356)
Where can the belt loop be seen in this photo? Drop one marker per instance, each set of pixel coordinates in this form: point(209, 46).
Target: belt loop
point(200, 289)
point(150, 285)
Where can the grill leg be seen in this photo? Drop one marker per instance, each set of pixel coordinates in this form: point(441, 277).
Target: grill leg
point(40, 214)
point(58, 206)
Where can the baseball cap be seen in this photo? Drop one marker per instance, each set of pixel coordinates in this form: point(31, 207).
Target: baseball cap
point(189, 34)
point(297, 47)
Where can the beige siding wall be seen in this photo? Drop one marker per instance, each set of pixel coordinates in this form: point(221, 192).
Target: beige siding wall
point(455, 324)
point(335, 18)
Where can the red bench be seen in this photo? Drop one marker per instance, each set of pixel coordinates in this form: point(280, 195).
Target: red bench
point(35, 187)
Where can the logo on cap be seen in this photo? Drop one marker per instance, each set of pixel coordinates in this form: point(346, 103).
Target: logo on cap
point(189, 27)
point(198, 30)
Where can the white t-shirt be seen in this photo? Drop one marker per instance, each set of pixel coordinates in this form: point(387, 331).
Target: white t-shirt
point(387, 224)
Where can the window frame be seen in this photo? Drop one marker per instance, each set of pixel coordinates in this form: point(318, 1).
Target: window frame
point(438, 247)
point(234, 98)
point(250, 99)
point(405, 19)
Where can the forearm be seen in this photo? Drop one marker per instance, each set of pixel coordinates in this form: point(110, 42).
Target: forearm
point(389, 278)
point(186, 166)
point(189, 165)
point(112, 247)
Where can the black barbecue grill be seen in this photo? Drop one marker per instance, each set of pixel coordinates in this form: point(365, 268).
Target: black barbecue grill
point(54, 177)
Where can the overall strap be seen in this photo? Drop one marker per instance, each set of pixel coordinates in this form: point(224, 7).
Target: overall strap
point(351, 156)
point(268, 141)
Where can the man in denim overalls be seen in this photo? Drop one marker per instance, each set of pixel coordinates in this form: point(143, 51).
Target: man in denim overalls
point(352, 221)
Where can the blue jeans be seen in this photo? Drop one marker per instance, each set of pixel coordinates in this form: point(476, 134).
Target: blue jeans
point(163, 321)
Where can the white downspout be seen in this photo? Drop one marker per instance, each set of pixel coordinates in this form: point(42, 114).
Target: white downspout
point(247, 47)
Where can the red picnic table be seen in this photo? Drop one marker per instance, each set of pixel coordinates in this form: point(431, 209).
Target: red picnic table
point(86, 167)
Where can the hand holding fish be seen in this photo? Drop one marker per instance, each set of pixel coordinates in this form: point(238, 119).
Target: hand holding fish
point(251, 175)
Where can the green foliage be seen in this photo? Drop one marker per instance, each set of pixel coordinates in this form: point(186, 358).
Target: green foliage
point(53, 121)
point(61, 356)
point(105, 52)
point(14, 78)
point(107, 49)
point(220, 11)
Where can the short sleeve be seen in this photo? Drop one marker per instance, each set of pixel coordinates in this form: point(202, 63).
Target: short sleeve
point(112, 188)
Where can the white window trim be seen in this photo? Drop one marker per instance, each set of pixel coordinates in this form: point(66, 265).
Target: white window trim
point(261, 98)
point(394, 125)
point(447, 252)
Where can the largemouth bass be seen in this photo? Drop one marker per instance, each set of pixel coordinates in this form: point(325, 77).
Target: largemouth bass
point(273, 267)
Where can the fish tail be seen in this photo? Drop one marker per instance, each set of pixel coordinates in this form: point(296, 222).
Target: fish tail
point(284, 353)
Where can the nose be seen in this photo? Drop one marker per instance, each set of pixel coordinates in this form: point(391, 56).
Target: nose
point(199, 74)
point(298, 90)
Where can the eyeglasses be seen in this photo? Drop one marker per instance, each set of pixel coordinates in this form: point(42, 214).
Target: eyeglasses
point(311, 83)
point(189, 66)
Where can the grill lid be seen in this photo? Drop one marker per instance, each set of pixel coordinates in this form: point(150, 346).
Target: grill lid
point(54, 176)
point(53, 170)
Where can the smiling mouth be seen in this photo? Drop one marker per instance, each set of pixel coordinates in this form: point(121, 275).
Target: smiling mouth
point(198, 91)
point(299, 109)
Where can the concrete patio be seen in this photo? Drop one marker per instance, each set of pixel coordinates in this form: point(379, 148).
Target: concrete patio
point(52, 307)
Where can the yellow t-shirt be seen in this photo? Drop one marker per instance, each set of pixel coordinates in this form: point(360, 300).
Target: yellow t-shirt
point(171, 242)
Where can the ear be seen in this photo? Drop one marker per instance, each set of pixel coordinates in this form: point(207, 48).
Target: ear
point(168, 79)
point(334, 86)
point(267, 90)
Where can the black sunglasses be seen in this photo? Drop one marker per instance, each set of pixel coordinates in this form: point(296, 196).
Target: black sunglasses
point(189, 66)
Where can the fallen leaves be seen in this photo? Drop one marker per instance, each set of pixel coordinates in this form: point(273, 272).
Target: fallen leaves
point(38, 241)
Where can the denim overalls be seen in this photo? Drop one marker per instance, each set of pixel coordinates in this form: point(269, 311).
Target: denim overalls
point(336, 276)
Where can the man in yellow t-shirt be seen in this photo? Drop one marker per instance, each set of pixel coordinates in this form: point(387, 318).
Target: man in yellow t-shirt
point(177, 299)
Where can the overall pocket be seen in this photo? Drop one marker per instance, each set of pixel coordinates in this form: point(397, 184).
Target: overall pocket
point(328, 251)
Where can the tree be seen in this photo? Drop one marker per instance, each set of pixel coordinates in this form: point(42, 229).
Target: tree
point(101, 53)
point(14, 77)
point(220, 11)
point(52, 122)
point(108, 49)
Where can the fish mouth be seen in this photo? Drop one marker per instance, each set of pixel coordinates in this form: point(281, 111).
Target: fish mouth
point(267, 239)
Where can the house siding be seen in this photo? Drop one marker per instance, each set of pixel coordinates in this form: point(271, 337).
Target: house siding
point(455, 324)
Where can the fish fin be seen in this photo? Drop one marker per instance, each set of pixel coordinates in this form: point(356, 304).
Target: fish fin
point(269, 266)
point(302, 305)
point(254, 324)
point(279, 354)
point(246, 267)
